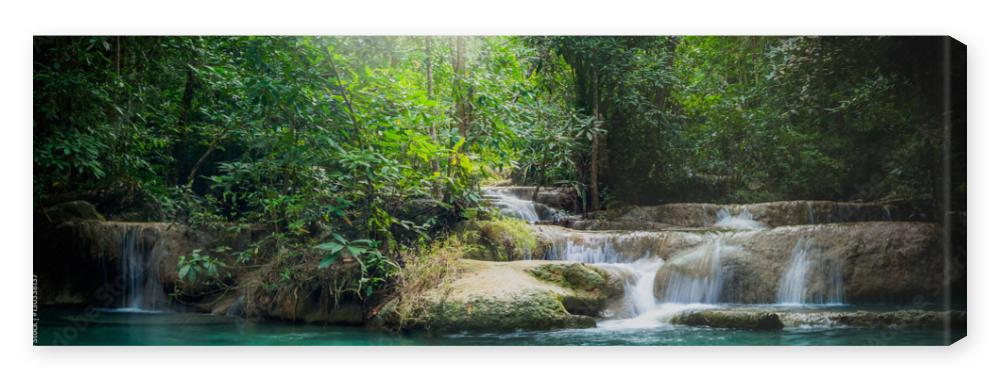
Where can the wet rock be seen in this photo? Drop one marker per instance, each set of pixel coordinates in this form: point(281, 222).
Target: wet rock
point(560, 198)
point(871, 262)
point(501, 240)
point(504, 296)
point(776, 214)
point(615, 247)
point(613, 225)
point(749, 320)
point(592, 286)
point(865, 262)
point(898, 319)
point(74, 210)
point(80, 261)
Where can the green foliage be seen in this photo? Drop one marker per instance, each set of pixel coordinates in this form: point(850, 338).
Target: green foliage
point(200, 268)
point(745, 119)
point(500, 239)
point(387, 139)
point(807, 118)
point(376, 268)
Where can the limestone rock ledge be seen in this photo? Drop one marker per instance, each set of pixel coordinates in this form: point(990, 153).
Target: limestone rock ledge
point(506, 296)
point(759, 319)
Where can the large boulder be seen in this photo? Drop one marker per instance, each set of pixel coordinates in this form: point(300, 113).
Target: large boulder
point(504, 296)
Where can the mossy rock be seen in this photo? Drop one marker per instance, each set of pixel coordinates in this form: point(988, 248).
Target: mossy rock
point(504, 296)
point(591, 286)
point(503, 239)
point(531, 311)
point(750, 320)
point(74, 210)
point(574, 276)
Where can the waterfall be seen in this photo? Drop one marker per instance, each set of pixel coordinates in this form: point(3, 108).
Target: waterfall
point(141, 285)
point(725, 219)
point(812, 216)
point(639, 278)
point(701, 281)
point(638, 270)
point(795, 285)
point(592, 249)
point(512, 206)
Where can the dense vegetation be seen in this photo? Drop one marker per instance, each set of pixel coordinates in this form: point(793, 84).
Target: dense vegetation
point(367, 146)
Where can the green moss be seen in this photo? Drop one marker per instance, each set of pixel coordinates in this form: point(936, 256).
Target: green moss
point(592, 286)
point(573, 276)
point(531, 311)
point(501, 239)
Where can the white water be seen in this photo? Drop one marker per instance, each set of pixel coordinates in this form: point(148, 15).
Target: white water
point(725, 219)
point(794, 288)
point(696, 279)
point(701, 280)
point(640, 277)
point(510, 205)
point(656, 317)
point(141, 291)
point(594, 248)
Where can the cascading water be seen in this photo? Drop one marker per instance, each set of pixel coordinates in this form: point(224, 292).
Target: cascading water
point(694, 277)
point(725, 219)
point(794, 288)
point(812, 215)
point(141, 287)
point(603, 249)
point(596, 248)
point(702, 281)
point(640, 277)
point(512, 206)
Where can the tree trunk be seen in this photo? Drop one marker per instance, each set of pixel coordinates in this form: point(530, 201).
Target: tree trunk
point(595, 201)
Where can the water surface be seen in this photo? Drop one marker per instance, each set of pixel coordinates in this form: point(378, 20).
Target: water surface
point(94, 327)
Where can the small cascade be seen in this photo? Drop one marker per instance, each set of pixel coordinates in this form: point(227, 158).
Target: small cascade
point(626, 254)
point(812, 215)
point(706, 218)
point(666, 271)
point(513, 206)
point(510, 205)
point(725, 219)
point(141, 285)
point(795, 285)
point(639, 279)
point(700, 280)
point(588, 249)
point(602, 247)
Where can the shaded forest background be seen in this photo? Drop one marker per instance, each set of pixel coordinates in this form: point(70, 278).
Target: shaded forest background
point(365, 134)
